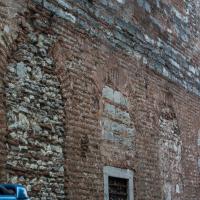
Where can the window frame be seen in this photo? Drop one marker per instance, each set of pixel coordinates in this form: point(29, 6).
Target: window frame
point(118, 173)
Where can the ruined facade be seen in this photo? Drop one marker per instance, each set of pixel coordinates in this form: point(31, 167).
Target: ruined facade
point(101, 98)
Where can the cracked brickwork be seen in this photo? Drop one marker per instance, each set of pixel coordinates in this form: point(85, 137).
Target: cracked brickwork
point(87, 84)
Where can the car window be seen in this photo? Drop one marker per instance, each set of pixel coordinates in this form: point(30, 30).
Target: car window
point(5, 191)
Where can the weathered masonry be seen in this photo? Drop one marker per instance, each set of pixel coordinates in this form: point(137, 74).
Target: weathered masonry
point(100, 99)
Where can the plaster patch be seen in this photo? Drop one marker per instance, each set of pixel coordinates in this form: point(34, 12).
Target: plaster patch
point(6, 29)
point(167, 191)
point(121, 1)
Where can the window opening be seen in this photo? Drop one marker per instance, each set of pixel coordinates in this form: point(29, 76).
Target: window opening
point(118, 184)
point(118, 188)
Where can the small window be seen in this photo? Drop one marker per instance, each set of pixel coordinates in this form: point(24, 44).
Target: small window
point(118, 188)
point(118, 184)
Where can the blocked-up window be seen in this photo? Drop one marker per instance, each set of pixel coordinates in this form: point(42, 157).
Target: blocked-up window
point(116, 122)
point(118, 184)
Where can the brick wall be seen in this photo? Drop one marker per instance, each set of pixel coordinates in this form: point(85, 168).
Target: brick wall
point(103, 83)
point(148, 96)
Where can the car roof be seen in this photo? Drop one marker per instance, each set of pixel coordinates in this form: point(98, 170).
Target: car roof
point(11, 185)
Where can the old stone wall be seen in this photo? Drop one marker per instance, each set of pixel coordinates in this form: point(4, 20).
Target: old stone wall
point(34, 110)
point(8, 34)
point(97, 83)
point(35, 117)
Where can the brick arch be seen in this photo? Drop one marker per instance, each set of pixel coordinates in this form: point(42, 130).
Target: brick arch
point(113, 94)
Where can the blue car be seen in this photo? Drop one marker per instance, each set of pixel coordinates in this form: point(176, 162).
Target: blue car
point(13, 192)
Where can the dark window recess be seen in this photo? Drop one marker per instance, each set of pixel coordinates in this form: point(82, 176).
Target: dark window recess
point(6, 191)
point(118, 188)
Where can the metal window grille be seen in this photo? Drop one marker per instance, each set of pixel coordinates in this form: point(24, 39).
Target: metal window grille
point(118, 188)
point(118, 184)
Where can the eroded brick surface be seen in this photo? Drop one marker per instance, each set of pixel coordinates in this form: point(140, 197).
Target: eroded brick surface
point(100, 83)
